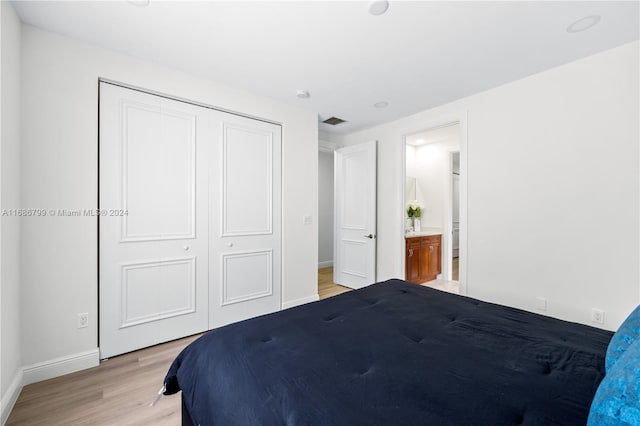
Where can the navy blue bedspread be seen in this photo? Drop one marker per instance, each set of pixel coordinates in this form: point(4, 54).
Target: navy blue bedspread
point(393, 353)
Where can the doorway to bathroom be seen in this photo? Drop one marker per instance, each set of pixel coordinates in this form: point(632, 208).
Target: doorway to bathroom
point(433, 170)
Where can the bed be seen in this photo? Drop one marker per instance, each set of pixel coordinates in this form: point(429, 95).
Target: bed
point(393, 353)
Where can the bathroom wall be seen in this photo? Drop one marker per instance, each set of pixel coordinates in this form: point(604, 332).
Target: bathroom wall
point(429, 164)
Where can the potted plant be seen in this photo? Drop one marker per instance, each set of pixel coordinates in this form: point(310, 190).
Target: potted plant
point(414, 211)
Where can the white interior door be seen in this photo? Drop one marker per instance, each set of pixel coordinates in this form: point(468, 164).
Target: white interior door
point(154, 219)
point(245, 194)
point(355, 215)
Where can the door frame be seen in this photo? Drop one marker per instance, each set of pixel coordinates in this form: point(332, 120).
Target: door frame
point(460, 118)
point(450, 200)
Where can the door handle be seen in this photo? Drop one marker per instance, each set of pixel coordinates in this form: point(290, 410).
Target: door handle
point(370, 236)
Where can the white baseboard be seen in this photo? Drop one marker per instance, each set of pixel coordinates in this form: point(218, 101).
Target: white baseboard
point(302, 301)
point(10, 397)
point(61, 366)
point(326, 264)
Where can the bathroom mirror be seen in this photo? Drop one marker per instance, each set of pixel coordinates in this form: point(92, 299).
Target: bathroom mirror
point(410, 189)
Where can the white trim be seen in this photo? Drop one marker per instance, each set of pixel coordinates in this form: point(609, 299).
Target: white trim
point(463, 257)
point(183, 100)
point(60, 366)
point(302, 301)
point(325, 264)
point(11, 396)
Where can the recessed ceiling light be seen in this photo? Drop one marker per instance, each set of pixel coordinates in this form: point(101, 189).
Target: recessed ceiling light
point(378, 7)
point(302, 94)
point(583, 24)
point(382, 104)
point(420, 142)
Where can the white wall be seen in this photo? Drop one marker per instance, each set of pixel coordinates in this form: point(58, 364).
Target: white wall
point(10, 369)
point(59, 170)
point(553, 188)
point(325, 209)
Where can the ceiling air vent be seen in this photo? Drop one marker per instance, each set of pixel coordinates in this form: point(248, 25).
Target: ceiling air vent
point(334, 120)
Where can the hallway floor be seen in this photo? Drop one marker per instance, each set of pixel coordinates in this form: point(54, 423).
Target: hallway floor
point(327, 288)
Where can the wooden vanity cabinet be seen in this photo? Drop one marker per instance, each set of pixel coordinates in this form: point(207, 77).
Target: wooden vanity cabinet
point(423, 258)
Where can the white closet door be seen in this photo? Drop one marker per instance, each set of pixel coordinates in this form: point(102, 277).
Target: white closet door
point(154, 219)
point(245, 197)
point(190, 236)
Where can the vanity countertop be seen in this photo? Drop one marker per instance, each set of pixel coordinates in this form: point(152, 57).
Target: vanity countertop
point(424, 232)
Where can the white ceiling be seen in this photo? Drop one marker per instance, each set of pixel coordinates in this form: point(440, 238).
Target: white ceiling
point(416, 56)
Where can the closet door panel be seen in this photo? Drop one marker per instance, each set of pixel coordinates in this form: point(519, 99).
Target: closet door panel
point(246, 252)
point(247, 180)
point(154, 273)
point(158, 161)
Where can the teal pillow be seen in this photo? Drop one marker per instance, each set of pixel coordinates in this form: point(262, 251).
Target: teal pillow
point(617, 400)
point(628, 332)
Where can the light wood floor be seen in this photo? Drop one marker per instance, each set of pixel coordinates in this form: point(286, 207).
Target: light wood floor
point(119, 391)
point(326, 286)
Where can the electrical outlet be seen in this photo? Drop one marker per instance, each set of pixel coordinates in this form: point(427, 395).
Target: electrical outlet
point(83, 320)
point(597, 316)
